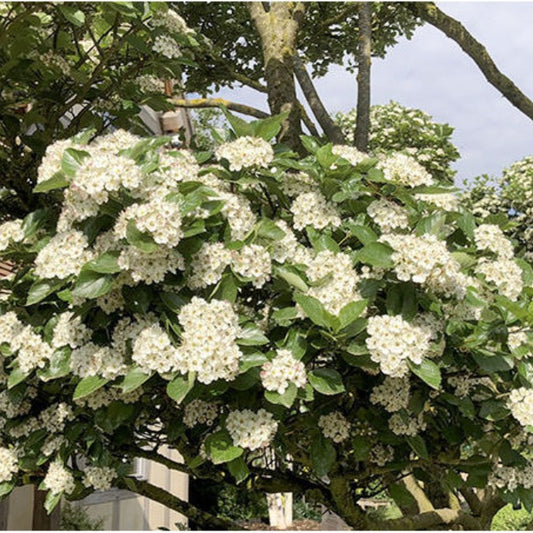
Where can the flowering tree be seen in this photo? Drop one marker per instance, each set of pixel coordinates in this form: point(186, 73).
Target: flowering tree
point(395, 127)
point(334, 325)
point(70, 66)
point(510, 197)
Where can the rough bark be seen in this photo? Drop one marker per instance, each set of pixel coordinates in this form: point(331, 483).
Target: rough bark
point(332, 131)
point(453, 29)
point(362, 126)
point(198, 103)
point(422, 501)
point(278, 29)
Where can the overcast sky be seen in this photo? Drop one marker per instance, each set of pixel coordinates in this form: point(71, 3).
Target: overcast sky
point(432, 73)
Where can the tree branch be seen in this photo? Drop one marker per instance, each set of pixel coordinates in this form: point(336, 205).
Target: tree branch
point(199, 103)
point(422, 501)
point(306, 119)
point(453, 29)
point(364, 50)
point(428, 520)
point(205, 520)
point(332, 131)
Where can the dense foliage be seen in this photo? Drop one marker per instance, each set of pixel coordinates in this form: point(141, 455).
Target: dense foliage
point(326, 324)
point(510, 196)
point(395, 127)
point(68, 66)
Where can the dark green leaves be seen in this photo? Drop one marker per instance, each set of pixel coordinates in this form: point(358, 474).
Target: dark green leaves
point(312, 308)
point(140, 240)
point(219, 446)
point(326, 381)
point(376, 254)
point(252, 336)
point(57, 181)
point(92, 284)
point(134, 379)
point(428, 371)
point(179, 387)
point(41, 289)
point(323, 455)
point(104, 264)
point(286, 399)
point(88, 385)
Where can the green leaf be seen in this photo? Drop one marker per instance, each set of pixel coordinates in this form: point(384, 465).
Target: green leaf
point(286, 399)
point(238, 469)
point(219, 446)
point(227, 288)
point(58, 367)
point(252, 336)
point(17, 376)
point(268, 229)
point(88, 385)
point(51, 501)
point(106, 263)
point(292, 276)
point(6, 487)
point(401, 496)
point(41, 289)
point(240, 126)
point(269, 127)
point(419, 446)
point(351, 312)
point(376, 254)
point(312, 308)
point(427, 371)
point(326, 381)
point(310, 143)
point(494, 410)
point(493, 363)
point(140, 240)
point(251, 360)
point(179, 387)
point(361, 447)
point(92, 284)
point(34, 221)
point(57, 181)
point(73, 15)
point(134, 379)
point(173, 301)
point(364, 234)
point(116, 414)
point(323, 455)
point(71, 161)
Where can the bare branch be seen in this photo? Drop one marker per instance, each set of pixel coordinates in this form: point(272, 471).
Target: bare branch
point(199, 103)
point(362, 126)
point(428, 520)
point(332, 131)
point(306, 119)
point(452, 28)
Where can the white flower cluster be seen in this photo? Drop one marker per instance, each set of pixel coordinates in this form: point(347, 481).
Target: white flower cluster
point(516, 338)
point(93, 360)
point(444, 201)
point(153, 350)
point(296, 183)
point(70, 331)
point(246, 152)
point(52, 445)
point(10, 232)
point(208, 265)
point(8, 464)
point(252, 262)
point(509, 478)
point(426, 260)
point(59, 479)
point(334, 426)
point(170, 21)
point(51, 162)
point(251, 430)
point(200, 412)
point(150, 84)
point(464, 385)
point(238, 213)
point(387, 215)
point(490, 237)
point(350, 153)
point(381, 455)
point(56, 62)
point(55, 417)
point(208, 344)
point(284, 369)
point(505, 274)
point(33, 352)
point(175, 166)
point(103, 397)
point(521, 405)
point(77, 206)
point(312, 209)
point(405, 170)
point(13, 409)
point(410, 427)
point(64, 255)
point(286, 247)
point(159, 217)
point(167, 46)
point(339, 280)
point(392, 341)
point(99, 477)
point(10, 327)
point(150, 267)
point(392, 394)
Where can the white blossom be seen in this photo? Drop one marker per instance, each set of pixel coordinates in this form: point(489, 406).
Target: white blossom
point(334, 426)
point(246, 152)
point(280, 372)
point(251, 430)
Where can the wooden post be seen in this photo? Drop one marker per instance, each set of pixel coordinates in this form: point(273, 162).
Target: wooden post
point(41, 520)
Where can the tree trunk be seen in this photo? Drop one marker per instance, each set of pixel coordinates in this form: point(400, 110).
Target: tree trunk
point(453, 29)
point(332, 131)
point(362, 126)
point(278, 28)
point(41, 520)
